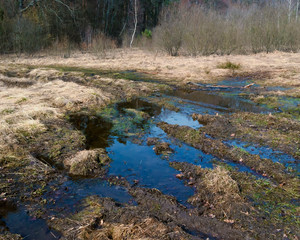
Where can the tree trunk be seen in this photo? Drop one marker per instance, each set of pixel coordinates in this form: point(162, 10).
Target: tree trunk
point(297, 10)
point(135, 23)
point(290, 10)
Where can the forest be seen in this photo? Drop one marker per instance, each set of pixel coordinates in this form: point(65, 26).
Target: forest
point(195, 27)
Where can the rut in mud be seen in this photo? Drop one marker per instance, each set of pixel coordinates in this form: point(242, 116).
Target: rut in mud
point(206, 163)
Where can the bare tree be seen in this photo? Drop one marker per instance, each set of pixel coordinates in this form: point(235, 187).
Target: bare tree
point(297, 10)
point(35, 2)
point(290, 9)
point(135, 22)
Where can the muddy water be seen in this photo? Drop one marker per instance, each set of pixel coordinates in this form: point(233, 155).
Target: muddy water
point(133, 159)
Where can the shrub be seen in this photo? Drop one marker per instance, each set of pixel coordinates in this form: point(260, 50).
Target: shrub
point(169, 34)
point(241, 29)
point(147, 34)
point(101, 43)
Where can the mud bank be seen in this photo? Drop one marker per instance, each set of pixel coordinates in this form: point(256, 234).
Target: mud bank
point(106, 218)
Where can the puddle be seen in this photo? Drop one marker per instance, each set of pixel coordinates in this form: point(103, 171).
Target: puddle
point(95, 129)
point(179, 118)
point(237, 82)
point(71, 192)
point(139, 162)
point(62, 201)
point(19, 222)
point(289, 103)
point(267, 152)
point(219, 102)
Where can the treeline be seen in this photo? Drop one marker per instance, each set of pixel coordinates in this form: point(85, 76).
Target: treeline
point(190, 27)
point(30, 25)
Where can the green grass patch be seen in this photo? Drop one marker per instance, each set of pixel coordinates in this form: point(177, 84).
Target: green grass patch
point(229, 65)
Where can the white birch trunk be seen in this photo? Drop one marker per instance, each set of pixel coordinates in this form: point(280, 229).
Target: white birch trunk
point(135, 23)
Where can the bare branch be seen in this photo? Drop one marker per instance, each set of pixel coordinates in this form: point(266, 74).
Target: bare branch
point(31, 4)
point(62, 3)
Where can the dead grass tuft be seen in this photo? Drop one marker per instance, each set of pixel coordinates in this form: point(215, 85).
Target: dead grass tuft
point(148, 228)
point(219, 193)
point(87, 163)
point(219, 182)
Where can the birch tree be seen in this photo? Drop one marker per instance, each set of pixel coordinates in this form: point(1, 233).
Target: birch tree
point(135, 22)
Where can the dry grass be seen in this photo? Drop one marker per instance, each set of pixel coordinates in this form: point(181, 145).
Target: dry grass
point(87, 163)
point(282, 68)
point(220, 183)
point(23, 109)
point(148, 228)
point(92, 223)
point(29, 95)
point(219, 192)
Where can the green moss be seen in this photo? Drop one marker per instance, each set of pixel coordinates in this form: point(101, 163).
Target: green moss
point(127, 122)
point(13, 161)
point(91, 207)
point(40, 191)
point(22, 100)
point(7, 111)
point(289, 105)
point(108, 112)
point(229, 65)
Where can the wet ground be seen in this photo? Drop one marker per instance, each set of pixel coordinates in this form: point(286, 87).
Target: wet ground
point(143, 154)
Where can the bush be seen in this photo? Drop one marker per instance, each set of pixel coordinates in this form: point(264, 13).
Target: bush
point(147, 34)
point(169, 34)
point(102, 43)
point(251, 29)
